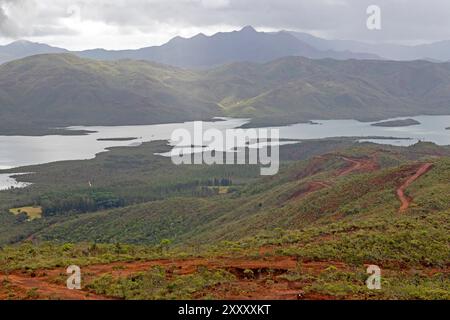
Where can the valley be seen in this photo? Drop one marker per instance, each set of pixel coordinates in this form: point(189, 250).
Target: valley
point(87, 181)
point(337, 203)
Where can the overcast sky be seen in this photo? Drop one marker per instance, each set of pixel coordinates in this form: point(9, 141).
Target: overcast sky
point(119, 24)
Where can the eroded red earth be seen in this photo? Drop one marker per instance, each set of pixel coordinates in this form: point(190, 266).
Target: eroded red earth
point(49, 284)
point(266, 283)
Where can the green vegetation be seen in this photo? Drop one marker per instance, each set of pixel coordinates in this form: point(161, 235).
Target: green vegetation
point(76, 91)
point(386, 240)
point(30, 213)
point(29, 257)
point(141, 207)
point(150, 199)
point(62, 90)
point(400, 286)
point(157, 284)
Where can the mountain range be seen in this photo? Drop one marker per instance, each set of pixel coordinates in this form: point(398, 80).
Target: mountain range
point(54, 90)
point(200, 51)
point(437, 51)
point(246, 45)
point(22, 49)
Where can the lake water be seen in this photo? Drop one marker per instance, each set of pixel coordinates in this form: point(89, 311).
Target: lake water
point(431, 128)
point(18, 151)
point(7, 182)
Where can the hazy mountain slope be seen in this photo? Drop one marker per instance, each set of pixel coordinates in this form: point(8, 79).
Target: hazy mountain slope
point(438, 51)
point(244, 45)
point(221, 48)
point(21, 49)
point(55, 90)
point(296, 89)
point(58, 90)
point(199, 51)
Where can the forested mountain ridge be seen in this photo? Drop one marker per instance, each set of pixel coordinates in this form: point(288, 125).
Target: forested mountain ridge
point(62, 89)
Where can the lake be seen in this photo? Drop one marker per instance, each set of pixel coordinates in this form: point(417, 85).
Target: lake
point(6, 182)
point(18, 151)
point(431, 128)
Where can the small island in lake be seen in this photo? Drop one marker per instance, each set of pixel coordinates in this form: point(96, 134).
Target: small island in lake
point(397, 123)
point(117, 139)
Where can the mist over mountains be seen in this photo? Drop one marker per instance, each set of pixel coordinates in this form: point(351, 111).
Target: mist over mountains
point(246, 45)
point(200, 51)
point(437, 51)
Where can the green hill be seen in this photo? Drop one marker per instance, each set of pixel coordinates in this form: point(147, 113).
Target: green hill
point(297, 89)
point(61, 89)
point(158, 200)
point(310, 230)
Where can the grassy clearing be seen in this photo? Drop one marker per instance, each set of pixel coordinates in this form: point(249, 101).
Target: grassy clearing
point(32, 212)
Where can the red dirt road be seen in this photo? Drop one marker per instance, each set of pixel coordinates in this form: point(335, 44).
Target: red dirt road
point(47, 290)
point(363, 165)
point(358, 165)
point(401, 191)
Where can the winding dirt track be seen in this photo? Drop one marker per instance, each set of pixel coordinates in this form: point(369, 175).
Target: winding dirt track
point(368, 165)
point(365, 165)
point(406, 201)
point(358, 165)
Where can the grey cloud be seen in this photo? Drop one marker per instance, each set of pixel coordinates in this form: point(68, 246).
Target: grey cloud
point(402, 20)
point(7, 25)
point(28, 18)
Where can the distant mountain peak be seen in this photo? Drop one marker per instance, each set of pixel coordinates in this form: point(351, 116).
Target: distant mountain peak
point(200, 36)
point(25, 43)
point(21, 43)
point(248, 29)
point(24, 48)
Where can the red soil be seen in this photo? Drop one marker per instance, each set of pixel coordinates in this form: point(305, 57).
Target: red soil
point(363, 165)
point(266, 282)
point(401, 190)
point(48, 284)
point(47, 290)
